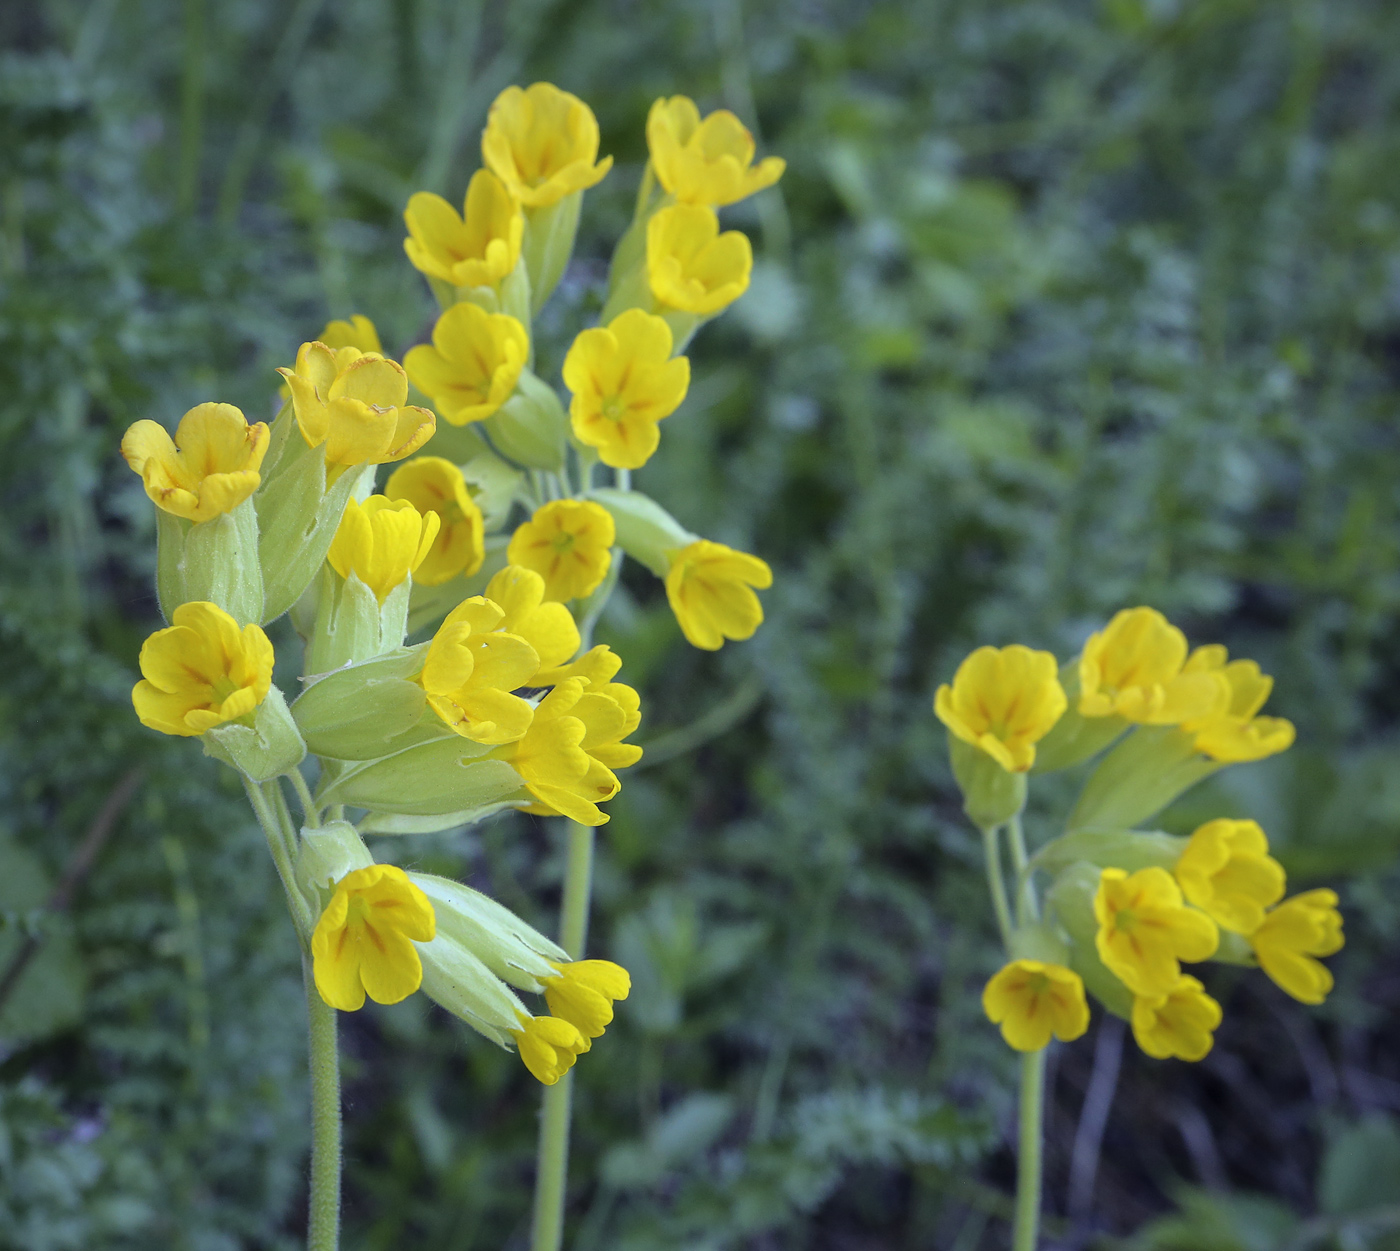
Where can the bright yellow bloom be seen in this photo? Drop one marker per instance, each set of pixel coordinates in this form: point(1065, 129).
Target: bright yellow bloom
point(1031, 1000)
point(569, 543)
point(543, 144)
point(583, 995)
point(709, 162)
point(623, 383)
point(1235, 734)
point(1145, 929)
point(353, 402)
point(473, 364)
point(381, 542)
point(434, 485)
point(1227, 872)
point(363, 943)
point(549, 1046)
point(209, 468)
point(690, 265)
point(1134, 669)
point(473, 666)
point(708, 586)
point(1181, 1022)
point(1299, 929)
point(201, 672)
point(358, 332)
point(1003, 701)
point(478, 249)
point(548, 627)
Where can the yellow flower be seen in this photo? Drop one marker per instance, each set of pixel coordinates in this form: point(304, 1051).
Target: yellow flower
point(1235, 734)
point(478, 249)
point(708, 587)
point(623, 383)
point(583, 995)
point(1031, 1000)
point(1299, 929)
point(542, 143)
point(434, 485)
point(201, 672)
point(1003, 701)
point(209, 468)
point(690, 265)
point(569, 543)
point(549, 1046)
point(1145, 929)
point(358, 332)
point(473, 364)
point(353, 402)
point(548, 627)
point(1134, 669)
point(1180, 1022)
point(1227, 872)
point(472, 668)
point(381, 542)
point(363, 943)
point(709, 162)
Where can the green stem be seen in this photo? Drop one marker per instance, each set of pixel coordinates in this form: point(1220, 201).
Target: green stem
point(309, 810)
point(995, 884)
point(277, 845)
point(323, 1217)
point(1027, 906)
point(1027, 1222)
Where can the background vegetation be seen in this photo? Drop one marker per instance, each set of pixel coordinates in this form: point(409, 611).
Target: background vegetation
point(1063, 306)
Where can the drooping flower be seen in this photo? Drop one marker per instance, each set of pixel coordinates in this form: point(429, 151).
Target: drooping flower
point(477, 249)
point(1145, 929)
point(358, 332)
point(363, 943)
point(1032, 999)
point(1291, 938)
point(1181, 1022)
point(1235, 733)
point(472, 669)
point(567, 542)
point(1134, 668)
point(709, 589)
point(691, 266)
point(433, 484)
point(705, 162)
point(624, 382)
point(548, 626)
point(549, 1046)
point(1003, 701)
point(583, 995)
point(542, 143)
point(209, 468)
point(1227, 872)
point(202, 671)
point(472, 365)
point(381, 542)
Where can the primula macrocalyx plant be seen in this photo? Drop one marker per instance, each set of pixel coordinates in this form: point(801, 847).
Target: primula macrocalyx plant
point(705, 162)
point(435, 485)
point(472, 365)
point(1180, 1022)
point(1290, 939)
point(1234, 732)
point(478, 249)
point(1136, 668)
point(569, 544)
point(542, 143)
point(1032, 1000)
point(709, 588)
point(1145, 928)
point(1003, 701)
point(1226, 871)
point(209, 468)
point(382, 542)
point(691, 266)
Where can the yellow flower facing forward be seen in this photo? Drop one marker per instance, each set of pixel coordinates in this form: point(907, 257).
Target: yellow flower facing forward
point(1003, 701)
point(1227, 872)
point(1134, 669)
point(209, 468)
point(548, 627)
point(353, 402)
point(381, 542)
point(358, 332)
point(549, 1046)
point(690, 265)
point(583, 995)
point(624, 382)
point(363, 943)
point(1145, 929)
point(472, 669)
point(434, 485)
point(202, 671)
point(1031, 1000)
point(709, 587)
point(569, 544)
point(705, 162)
point(1180, 1023)
point(542, 143)
point(1236, 734)
point(472, 365)
point(477, 249)
point(1291, 938)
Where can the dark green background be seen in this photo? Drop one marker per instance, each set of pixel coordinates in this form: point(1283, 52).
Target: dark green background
point(1061, 307)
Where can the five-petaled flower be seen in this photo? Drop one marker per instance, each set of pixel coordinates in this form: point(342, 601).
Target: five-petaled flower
point(542, 143)
point(1003, 701)
point(1134, 668)
point(547, 625)
point(709, 589)
point(1227, 872)
point(569, 543)
point(209, 468)
point(1033, 999)
point(472, 365)
point(691, 266)
point(1179, 1022)
point(477, 249)
point(381, 542)
point(1291, 938)
point(705, 162)
point(435, 485)
point(1235, 733)
point(1145, 930)
point(583, 995)
point(549, 1045)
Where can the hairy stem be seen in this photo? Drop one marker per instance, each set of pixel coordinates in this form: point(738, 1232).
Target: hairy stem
point(1027, 1222)
point(323, 1217)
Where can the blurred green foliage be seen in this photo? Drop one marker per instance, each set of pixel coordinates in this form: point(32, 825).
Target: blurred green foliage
point(1061, 307)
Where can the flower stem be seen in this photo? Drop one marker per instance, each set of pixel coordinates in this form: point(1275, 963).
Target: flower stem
point(1027, 907)
point(323, 1218)
point(1027, 1222)
point(995, 884)
point(273, 829)
point(309, 811)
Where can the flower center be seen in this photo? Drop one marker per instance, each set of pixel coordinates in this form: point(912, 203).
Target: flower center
point(1125, 919)
point(614, 408)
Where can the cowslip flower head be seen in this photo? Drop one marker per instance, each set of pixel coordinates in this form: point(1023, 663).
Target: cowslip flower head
point(1179, 1023)
point(709, 587)
point(1227, 872)
point(705, 162)
point(363, 943)
point(477, 249)
point(549, 1046)
point(1003, 701)
point(472, 364)
point(381, 542)
point(209, 468)
point(472, 669)
point(690, 265)
point(202, 671)
point(569, 544)
point(1033, 999)
point(353, 402)
point(542, 143)
point(1236, 733)
point(583, 994)
point(435, 485)
point(624, 382)
point(1145, 930)
point(1134, 669)
point(358, 332)
point(548, 626)
point(1291, 938)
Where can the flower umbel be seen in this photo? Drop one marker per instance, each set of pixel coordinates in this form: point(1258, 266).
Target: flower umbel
point(209, 468)
point(1032, 999)
point(690, 265)
point(1145, 929)
point(1235, 733)
point(705, 162)
point(549, 1046)
point(542, 143)
point(381, 542)
point(471, 671)
point(569, 543)
point(477, 249)
point(1181, 1022)
point(435, 485)
point(472, 365)
point(583, 995)
point(708, 586)
point(1003, 701)
point(1292, 936)
point(1134, 669)
point(1227, 872)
